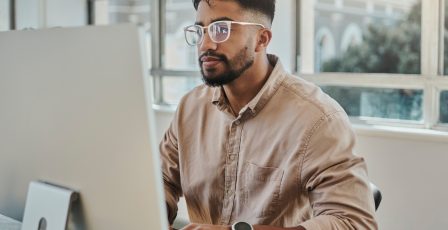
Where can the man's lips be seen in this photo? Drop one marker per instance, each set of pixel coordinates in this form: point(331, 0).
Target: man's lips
point(209, 61)
point(209, 58)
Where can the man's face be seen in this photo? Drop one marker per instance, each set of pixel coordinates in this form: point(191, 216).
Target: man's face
point(221, 63)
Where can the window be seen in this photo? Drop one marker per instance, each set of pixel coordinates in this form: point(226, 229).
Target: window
point(175, 67)
point(370, 37)
point(5, 15)
point(399, 104)
point(382, 60)
point(177, 55)
point(367, 36)
point(444, 107)
point(128, 11)
point(384, 67)
point(50, 13)
point(444, 94)
point(134, 11)
point(445, 38)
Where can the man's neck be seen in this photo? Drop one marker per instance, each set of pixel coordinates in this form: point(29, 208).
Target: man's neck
point(242, 90)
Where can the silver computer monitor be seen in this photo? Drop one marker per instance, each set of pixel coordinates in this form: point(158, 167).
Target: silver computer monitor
point(75, 110)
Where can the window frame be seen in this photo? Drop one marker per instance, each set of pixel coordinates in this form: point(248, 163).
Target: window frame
point(431, 79)
point(158, 71)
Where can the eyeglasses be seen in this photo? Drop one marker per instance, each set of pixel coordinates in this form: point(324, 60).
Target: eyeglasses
point(218, 31)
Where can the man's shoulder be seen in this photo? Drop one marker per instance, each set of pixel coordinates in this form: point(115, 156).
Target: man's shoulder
point(307, 95)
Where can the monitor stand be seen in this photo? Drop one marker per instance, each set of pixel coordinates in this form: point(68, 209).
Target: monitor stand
point(47, 203)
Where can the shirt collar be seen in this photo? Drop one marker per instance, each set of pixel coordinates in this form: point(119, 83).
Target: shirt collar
point(267, 91)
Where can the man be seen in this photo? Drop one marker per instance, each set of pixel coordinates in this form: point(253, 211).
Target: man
point(255, 147)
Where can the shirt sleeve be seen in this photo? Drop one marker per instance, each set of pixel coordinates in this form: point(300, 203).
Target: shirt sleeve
point(169, 156)
point(336, 179)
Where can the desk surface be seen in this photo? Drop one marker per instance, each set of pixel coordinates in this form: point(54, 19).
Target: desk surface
point(7, 223)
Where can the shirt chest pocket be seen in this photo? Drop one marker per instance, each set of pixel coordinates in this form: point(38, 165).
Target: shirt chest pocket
point(261, 189)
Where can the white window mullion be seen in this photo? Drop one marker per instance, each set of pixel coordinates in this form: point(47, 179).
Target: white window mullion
point(430, 106)
point(430, 37)
point(441, 36)
point(42, 14)
point(158, 17)
point(368, 80)
point(430, 48)
point(101, 15)
point(306, 36)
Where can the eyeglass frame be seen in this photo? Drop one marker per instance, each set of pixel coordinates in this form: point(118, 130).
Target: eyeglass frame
point(228, 22)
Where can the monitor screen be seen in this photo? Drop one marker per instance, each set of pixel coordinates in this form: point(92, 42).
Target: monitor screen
point(75, 110)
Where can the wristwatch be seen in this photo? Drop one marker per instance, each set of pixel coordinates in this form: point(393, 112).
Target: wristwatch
point(242, 226)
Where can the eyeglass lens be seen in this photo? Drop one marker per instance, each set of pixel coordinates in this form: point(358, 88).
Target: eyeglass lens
point(193, 34)
point(218, 32)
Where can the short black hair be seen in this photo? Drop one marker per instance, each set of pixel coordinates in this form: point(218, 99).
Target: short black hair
point(266, 7)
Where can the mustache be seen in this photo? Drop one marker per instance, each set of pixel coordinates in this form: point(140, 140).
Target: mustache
point(213, 54)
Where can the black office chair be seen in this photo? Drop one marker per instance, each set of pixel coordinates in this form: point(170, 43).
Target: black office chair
point(376, 195)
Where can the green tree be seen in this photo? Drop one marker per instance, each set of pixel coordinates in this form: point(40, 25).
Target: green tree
point(387, 49)
point(444, 95)
point(384, 49)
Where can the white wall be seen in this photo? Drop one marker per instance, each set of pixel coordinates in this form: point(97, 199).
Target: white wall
point(411, 174)
point(409, 169)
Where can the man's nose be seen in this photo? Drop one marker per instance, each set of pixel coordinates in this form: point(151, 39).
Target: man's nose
point(207, 44)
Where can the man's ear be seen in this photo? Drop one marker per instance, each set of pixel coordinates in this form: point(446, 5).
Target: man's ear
point(264, 37)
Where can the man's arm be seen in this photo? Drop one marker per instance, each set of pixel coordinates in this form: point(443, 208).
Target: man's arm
point(335, 179)
point(169, 156)
point(263, 227)
point(225, 227)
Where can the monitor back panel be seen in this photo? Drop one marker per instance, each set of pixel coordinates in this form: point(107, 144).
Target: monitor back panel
point(74, 111)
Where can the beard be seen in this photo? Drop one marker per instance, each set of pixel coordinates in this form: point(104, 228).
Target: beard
point(233, 68)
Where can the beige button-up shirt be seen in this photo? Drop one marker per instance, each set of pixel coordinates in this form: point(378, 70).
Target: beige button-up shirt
point(285, 160)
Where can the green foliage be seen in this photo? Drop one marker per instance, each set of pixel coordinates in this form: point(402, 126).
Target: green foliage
point(444, 107)
point(387, 49)
point(444, 95)
point(384, 49)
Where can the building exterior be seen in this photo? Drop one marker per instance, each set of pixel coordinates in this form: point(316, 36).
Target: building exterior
point(341, 23)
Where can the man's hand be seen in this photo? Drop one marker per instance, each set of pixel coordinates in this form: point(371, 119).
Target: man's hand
point(205, 227)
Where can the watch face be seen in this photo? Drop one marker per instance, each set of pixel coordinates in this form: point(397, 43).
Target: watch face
point(243, 226)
